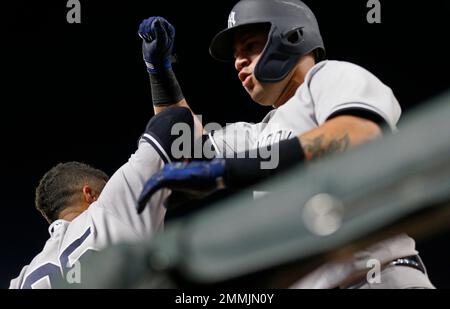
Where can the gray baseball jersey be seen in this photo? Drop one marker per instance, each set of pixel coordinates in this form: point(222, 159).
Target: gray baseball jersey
point(110, 220)
point(329, 87)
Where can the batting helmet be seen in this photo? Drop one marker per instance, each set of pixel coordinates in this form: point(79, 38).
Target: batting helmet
point(294, 32)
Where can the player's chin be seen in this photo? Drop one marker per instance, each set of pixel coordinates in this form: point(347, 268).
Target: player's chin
point(260, 98)
point(263, 103)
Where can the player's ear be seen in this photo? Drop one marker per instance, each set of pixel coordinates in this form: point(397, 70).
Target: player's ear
point(88, 194)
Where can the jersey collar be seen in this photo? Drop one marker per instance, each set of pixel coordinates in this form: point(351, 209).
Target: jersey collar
point(57, 225)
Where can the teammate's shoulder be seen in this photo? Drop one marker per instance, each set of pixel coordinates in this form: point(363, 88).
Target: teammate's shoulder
point(48, 254)
point(57, 231)
point(341, 67)
point(17, 282)
point(340, 64)
point(342, 72)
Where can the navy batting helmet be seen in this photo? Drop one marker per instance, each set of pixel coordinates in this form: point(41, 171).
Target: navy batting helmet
point(294, 32)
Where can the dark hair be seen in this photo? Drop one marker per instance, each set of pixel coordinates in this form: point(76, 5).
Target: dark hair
point(62, 185)
point(319, 55)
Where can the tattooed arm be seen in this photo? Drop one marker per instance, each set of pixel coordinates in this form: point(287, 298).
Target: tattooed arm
point(337, 135)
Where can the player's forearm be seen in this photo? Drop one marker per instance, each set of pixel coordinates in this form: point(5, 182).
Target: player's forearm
point(165, 90)
point(162, 108)
point(337, 136)
point(167, 93)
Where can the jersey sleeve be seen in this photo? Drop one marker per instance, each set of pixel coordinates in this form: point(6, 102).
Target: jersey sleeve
point(341, 85)
point(120, 195)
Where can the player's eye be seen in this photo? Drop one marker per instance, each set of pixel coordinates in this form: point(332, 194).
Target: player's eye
point(254, 46)
point(250, 46)
point(246, 49)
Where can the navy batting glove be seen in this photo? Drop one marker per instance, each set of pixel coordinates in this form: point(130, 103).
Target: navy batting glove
point(200, 178)
point(158, 37)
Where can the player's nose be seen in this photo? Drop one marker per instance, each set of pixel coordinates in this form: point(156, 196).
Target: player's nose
point(240, 63)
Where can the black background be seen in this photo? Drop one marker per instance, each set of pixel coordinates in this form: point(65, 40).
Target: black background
point(80, 91)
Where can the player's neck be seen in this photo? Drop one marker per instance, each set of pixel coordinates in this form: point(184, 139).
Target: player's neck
point(296, 79)
point(70, 213)
point(288, 93)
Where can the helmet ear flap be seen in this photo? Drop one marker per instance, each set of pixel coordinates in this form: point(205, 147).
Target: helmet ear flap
point(279, 55)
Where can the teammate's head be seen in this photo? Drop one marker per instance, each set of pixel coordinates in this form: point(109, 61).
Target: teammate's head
point(286, 30)
point(66, 186)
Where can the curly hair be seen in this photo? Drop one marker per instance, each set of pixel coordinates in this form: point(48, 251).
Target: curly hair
point(62, 185)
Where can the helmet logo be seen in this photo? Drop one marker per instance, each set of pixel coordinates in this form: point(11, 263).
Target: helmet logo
point(232, 19)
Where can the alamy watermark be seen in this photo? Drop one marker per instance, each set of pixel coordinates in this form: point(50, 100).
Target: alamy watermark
point(374, 14)
point(73, 276)
point(233, 142)
point(374, 274)
point(73, 16)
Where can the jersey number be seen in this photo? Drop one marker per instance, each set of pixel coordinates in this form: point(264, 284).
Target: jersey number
point(52, 272)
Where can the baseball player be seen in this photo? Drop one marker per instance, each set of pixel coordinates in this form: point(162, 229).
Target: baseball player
point(86, 211)
point(321, 107)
